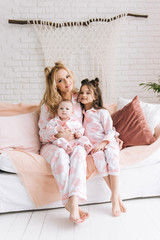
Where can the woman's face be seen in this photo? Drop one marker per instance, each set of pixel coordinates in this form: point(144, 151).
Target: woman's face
point(64, 82)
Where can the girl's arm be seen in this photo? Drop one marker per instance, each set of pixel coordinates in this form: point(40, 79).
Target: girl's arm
point(119, 141)
point(110, 131)
point(100, 146)
point(107, 125)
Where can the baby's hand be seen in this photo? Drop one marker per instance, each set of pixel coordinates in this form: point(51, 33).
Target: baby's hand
point(60, 129)
point(100, 146)
point(77, 134)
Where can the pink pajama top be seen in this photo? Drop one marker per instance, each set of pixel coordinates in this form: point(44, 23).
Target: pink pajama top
point(98, 126)
point(45, 117)
point(72, 124)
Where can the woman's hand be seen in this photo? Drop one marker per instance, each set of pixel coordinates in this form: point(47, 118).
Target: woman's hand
point(67, 134)
point(120, 142)
point(60, 129)
point(78, 135)
point(100, 146)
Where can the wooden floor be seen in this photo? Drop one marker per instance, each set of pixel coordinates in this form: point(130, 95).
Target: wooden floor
point(141, 222)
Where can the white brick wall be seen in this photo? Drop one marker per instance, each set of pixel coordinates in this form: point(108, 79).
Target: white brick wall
point(22, 63)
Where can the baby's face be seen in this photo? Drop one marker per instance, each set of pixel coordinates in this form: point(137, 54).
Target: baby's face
point(65, 110)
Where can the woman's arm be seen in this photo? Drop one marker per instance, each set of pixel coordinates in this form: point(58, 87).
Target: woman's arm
point(66, 134)
point(44, 118)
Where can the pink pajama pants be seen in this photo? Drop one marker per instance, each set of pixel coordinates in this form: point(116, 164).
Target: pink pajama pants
point(68, 170)
point(107, 161)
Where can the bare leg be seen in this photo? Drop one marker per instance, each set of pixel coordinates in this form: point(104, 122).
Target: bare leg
point(76, 214)
point(115, 195)
point(121, 205)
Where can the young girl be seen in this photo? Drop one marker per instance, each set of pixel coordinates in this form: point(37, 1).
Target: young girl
point(64, 120)
point(99, 129)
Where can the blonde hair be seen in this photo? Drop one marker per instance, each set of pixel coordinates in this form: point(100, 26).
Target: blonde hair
point(52, 96)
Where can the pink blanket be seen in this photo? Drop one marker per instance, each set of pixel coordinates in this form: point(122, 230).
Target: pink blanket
point(35, 172)
point(36, 175)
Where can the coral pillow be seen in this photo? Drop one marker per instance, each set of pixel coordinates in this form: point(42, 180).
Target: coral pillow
point(130, 122)
point(151, 112)
point(20, 132)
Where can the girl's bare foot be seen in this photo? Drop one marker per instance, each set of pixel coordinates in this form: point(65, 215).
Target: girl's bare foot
point(76, 214)
point(122, 207)
point(83, 215)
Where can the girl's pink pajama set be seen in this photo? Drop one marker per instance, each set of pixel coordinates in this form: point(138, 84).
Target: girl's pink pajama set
point(72, 125)
point(99, 127)
point(68, 170)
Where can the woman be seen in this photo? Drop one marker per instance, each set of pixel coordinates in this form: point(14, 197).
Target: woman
point(69, 174)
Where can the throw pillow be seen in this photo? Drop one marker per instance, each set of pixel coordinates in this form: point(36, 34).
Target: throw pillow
point(151, 112)
point(131, 124)
point(20, 132)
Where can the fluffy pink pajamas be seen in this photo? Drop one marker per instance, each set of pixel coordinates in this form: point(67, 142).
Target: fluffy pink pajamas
point(68, 170)
point(99, 127)
point(107, 161)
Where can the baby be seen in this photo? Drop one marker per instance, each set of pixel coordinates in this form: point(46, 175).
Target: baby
point(64, 121)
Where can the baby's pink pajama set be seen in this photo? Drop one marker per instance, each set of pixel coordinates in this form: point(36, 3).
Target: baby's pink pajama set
point(72, 125)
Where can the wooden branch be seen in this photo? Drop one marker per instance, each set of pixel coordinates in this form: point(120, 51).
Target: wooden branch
point(137, 15)
point(68, 24)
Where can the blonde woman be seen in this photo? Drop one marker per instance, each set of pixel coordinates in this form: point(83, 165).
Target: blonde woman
point(69, 171)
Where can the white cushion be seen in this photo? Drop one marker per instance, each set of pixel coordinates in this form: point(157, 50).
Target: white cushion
point(6, 164)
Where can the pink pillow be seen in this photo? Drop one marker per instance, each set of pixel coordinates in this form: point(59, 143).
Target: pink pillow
point(130, 122)
point(20, 132)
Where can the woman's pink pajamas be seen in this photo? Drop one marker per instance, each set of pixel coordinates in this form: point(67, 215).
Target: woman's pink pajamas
point(99, 127)
point(69, 171)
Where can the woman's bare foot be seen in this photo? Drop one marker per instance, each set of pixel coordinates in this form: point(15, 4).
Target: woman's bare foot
point(116, 210)
point(76, 214)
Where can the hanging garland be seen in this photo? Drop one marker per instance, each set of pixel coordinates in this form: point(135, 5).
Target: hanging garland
point(70, 24)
